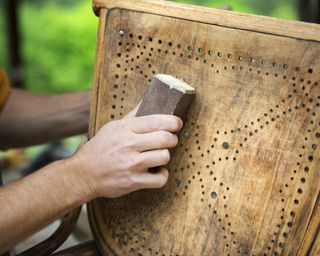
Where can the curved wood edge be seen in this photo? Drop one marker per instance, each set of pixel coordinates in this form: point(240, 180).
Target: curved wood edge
point(100, 243)
point(267, 25)
point(93, 215)
point(99, 61)
point(57, 238)
point(85, 249)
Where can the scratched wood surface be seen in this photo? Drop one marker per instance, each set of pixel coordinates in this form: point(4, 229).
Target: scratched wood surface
point(245, 176)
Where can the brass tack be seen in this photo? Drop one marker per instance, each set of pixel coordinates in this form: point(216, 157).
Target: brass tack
point(225, 145)
point(186, 134)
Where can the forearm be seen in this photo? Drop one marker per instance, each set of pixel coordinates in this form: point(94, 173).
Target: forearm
point(30, 119)
point(35, 201)
point(113, 163)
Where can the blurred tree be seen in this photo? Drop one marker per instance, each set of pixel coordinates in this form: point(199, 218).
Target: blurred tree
point(58, 45)
point(267, 7)
point(281, 9)
point(14, 42)
point(59, 36)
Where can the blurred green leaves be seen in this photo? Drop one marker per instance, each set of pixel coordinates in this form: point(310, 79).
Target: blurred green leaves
point(58, 46)
point(285, 9)
point(59, 38)
point(3, 44)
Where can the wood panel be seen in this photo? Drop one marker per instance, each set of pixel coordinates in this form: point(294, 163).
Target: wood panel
point(244, 178)
point(305, 31)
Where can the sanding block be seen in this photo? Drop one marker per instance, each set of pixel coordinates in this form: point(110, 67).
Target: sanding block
point(167, 95)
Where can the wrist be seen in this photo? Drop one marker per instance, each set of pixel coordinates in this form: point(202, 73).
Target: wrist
point(74, 178)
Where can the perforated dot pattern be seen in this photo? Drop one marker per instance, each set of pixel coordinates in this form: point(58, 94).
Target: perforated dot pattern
point(244, 174)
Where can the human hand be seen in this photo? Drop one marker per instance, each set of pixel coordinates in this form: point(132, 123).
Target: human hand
point(116, 161)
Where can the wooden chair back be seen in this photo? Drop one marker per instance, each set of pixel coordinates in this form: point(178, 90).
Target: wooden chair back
point(245, 177)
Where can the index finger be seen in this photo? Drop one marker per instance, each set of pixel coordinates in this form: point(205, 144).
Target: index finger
point(153, 123)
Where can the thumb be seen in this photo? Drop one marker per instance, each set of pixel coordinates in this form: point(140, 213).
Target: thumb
point(133, 113)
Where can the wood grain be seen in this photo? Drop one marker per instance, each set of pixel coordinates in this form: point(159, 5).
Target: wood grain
point(268, 25)
point(97, 69)
point(246, 179)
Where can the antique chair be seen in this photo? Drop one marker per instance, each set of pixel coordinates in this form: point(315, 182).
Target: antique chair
point(245, 177)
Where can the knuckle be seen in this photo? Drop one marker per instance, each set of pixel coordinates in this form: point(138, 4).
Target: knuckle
point(130, 144)
point(129, 164)
point(129, 181)
point(176, 122)
point(166, 156)
point(165, 138)
point(123, 125)
point(134, 163)
point(137, 183)
point(162, 181)
point(134, 182)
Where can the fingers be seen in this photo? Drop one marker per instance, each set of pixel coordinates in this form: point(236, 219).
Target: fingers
point(155, 140)
point(152, 123)
point(154, 158)
point(133, 112)
point(152, 180)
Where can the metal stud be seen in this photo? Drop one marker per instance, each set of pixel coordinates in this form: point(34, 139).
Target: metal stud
point(186, 134)
point(121, 32)
point(214, 195)
point(225, 145)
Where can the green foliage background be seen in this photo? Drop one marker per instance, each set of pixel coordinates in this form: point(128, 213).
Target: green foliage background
point(59, 37)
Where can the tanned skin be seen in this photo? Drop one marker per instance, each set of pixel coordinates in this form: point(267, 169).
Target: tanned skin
point(113, 163)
